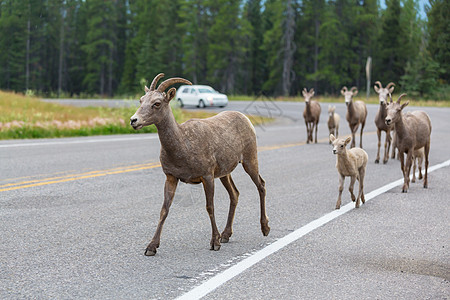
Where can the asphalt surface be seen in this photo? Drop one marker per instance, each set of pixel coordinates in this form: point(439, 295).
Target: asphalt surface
point(77, 214)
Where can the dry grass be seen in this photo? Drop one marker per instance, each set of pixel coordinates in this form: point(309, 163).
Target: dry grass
point(27, 117)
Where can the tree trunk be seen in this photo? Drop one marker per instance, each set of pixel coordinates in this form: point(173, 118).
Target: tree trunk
point(289, 49)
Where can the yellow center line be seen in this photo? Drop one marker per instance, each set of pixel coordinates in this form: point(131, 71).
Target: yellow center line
point(72, 175)
point(119, 170)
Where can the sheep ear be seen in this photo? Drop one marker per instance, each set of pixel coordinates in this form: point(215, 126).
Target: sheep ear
point(171, 94)
point(332, 138)
point(312, 92)
point(343, 91)
point(404, 104)
point(355, 92)
point(391, 90)
point(304, 92)
point(348, 140)
point(146, 89)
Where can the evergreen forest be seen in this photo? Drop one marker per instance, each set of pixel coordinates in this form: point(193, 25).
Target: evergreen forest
point(240, 47)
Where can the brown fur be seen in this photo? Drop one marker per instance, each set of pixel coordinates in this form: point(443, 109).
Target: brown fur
point(311, 114)
point(356, 113)
point(198, 151)
point(333, 121)
point(383, 94)
point(413, 131)
point(351, 163)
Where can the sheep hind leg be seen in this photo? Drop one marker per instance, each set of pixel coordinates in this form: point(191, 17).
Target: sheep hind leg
point(362, 173)
point(316, 125)
point(169, 192)
point(208, 186)
point(425, 178)
point(251, 167)
point(228, 183)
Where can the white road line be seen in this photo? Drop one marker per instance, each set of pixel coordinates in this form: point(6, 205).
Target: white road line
point(51, 143)
point(216, 281)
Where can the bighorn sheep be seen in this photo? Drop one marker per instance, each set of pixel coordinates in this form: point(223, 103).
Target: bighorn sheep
point(198, 151)
point(418, 156)
point(349, 163)
point(333, 121)
point(311, 114)
point(356, 113)
point(383, 94)
point(413, 132)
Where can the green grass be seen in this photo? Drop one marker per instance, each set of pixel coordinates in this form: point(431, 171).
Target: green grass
point(24, 117)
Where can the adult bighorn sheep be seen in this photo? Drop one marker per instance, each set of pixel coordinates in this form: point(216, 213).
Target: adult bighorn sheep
point(413, 132)
point(311, 114)
point(356, 113)
point(383, 93)
point(219, 144)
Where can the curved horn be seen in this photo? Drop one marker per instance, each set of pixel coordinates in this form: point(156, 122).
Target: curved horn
point(155, 81)
point(353, 88)
point(379, 84)
point(165, 84)
point(399, 97)
point(390, 84)
point(311, 90)
point(344, 88)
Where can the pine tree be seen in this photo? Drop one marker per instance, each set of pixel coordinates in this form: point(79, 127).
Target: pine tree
point(439, 35)
point(392, 58)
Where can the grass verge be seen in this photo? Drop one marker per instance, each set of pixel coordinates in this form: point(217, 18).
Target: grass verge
point(23, 117)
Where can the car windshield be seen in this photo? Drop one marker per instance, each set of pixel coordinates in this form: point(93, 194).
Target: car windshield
point(206, 90)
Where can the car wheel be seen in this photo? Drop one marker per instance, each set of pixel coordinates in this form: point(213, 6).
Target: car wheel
point(201, 104)
point(181, 103)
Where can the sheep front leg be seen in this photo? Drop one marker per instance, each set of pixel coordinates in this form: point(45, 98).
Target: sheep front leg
point(341, 188)
point(387, 146)
point(307, 131)
point(169, 192)
point(377, 160)
point(208, 186)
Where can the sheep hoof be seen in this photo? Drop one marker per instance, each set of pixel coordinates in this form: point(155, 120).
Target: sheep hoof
point(338, 207)
point(413, 180)
point(265, 229)
point(377, 161)
point(425, 185)
point(215, 247)
point(150, 252)
point(385, 161)
point(224, 239)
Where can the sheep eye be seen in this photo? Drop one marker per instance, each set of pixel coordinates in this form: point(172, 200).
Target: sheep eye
point(342, 146)
point(157, 105)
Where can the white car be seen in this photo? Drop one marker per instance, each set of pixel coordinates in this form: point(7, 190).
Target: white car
point(200, 96)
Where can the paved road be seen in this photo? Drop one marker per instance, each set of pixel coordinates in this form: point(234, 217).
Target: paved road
point(77, 213)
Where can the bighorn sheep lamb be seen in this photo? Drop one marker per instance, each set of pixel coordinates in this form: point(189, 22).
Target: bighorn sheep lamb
point(418, 156)
point(413, 132)
point(333, 121)
point(349, 163)
point(311, 114)
point(219, 144)
point(383, 94)
point(356, 113)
